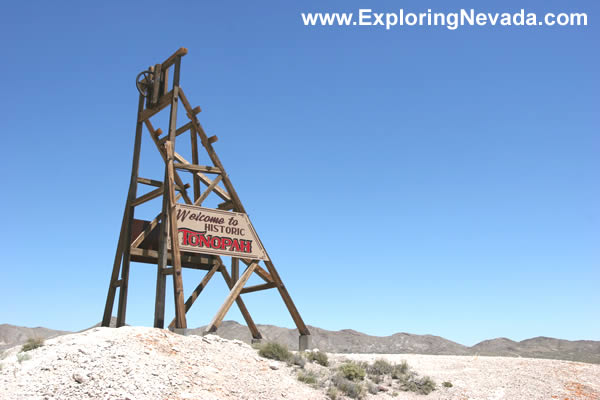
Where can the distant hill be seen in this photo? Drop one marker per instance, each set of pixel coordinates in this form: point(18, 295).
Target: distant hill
point(346, 341)
point(11, 335)
point(350, 341)
point(541, 347)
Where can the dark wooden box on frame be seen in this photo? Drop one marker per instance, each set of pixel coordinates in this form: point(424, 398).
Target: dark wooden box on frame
point(174, 239)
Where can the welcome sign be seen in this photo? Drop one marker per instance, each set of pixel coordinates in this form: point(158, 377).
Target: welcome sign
point(210, 231)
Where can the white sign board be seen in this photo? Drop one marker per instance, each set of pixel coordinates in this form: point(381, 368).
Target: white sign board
point(210, 231)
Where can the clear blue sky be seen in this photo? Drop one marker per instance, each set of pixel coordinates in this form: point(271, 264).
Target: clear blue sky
point(419, 180)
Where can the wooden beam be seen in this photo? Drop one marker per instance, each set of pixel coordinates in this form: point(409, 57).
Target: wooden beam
point(209, 189)
point(182, 51)
point(287, 299)
point(240, 303)
point(226, 205)
point(257, 288)
point(235, 269)
point(198, 168)
point(146, 232)
point(195, 261)
point(161, 150)
point(122, 308)
point(178, 132)
point(238, 206)
point(233, 294)
point(150, 182)
point(162, 103)
point(190, 301)
point(147, 197)
point(195, 161)
point(260, 271)
point(206, 180)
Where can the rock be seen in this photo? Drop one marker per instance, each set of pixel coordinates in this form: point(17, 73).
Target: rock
point(273, 366)
point(78, 378)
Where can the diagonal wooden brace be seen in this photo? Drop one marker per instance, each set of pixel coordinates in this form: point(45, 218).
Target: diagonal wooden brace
point(190, 301)
point(233, 294)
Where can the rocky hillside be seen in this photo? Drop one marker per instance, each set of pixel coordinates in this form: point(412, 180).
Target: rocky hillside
point(347, 340)
point(146, 363)
point(11, 335)
point(350, 341)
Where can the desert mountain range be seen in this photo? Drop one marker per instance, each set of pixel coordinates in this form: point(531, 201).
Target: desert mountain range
point(350, 341)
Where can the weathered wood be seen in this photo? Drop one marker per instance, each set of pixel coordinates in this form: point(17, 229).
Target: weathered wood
point(233, 294)
point(240, 303)
point(260, 271)
point(190, 301)
point(208, 190)
point(257, 288)
point(198, 168)
point(213, 139)
point(122, 308)
point(235, 269)
point(204, 179)
point(147, 197)
point(287, 299)
point(162, 103)
point(149, 182)
point(161, 150)
point(195, 161)
point(156, 87)
point(146, 232)
point(174, 57)
point(180, 319)
point(118, 283)
point(213, 156)
point(226, 205)
point(178, 132)
point(110, 297)
point(192, 261)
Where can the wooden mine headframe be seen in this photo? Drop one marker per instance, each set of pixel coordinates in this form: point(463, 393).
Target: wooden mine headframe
point(156, 241)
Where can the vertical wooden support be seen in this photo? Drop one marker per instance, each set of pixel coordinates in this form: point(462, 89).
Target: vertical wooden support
point(235, 269)
point(128, 218)
point(195, 161)
point(161, 279)
point(180, 319)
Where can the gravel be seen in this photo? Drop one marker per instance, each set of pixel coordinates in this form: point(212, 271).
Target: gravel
point(146, 363)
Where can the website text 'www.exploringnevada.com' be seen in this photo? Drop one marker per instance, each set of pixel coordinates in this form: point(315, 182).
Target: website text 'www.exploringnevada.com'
point(451, 20)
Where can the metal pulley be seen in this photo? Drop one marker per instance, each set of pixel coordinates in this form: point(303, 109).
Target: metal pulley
point(145, 82)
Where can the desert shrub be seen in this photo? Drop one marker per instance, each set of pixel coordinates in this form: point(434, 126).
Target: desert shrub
point(274, 351)
point(23, 357)
point(371, 388)
point(380, 367)
point(394, 394)
point(352, 371)
point(32, 343)
point(297, 359)
point(333, 393)
point(376, 378)
point(423, 385)
point(351, 389)
point(308, 377)
point(447, 384)
point(319, 357)
point(400, 370)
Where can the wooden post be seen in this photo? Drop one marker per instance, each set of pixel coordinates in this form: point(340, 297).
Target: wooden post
point(235, 269)
point(125, 239)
